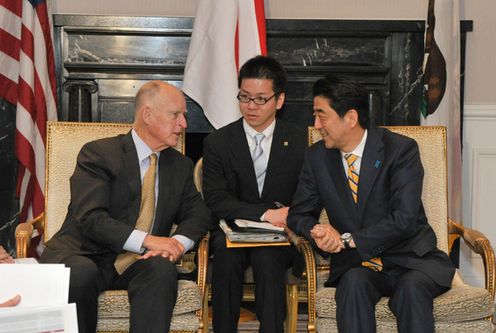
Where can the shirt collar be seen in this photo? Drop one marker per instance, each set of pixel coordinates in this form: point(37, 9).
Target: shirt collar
point(358, 151)
point(251, 132)
point(141, 147)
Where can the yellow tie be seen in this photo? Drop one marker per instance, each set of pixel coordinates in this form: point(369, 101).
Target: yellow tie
point(352, 175)
point(145, 217)
point(376, 262)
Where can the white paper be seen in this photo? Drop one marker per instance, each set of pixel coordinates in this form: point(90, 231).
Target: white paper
point(44, 291)
point(38, 284)
point(253, 224)
point(25, 261)
point(55, 318)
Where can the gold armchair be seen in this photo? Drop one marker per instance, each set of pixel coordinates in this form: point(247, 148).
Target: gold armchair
point(463, 308)
point(64, 141)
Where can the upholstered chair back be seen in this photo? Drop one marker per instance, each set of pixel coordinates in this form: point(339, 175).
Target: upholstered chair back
point(64, 141)
point(432, 144)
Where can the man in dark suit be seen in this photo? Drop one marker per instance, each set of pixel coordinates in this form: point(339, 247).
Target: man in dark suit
point(241, 184)
point(369, 181)
point(106, 194)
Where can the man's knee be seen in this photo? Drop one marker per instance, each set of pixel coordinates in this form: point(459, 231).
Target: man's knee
point(355, 282)
point(413, 288)
point(84, 273)
point(229, 262)
point(415, 284)
point(160, 270)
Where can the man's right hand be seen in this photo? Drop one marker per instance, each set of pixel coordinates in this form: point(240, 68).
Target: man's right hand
point(166, 247)
point(5, 258)
point(277, 216)
point(11, 302)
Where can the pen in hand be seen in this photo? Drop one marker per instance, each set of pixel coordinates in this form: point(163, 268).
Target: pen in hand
point(278, 204)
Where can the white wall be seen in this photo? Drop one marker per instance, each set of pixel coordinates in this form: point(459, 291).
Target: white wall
point(479, 182)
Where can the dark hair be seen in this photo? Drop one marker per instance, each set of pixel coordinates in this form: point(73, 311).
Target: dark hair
point(264, 67)
point(344, 94)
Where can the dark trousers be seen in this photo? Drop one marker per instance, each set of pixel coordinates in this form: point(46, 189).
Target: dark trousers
point(411, 299)
point(269, 265)
point(151, 285)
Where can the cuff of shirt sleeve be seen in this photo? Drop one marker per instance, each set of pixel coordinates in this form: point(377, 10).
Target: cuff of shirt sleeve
point(185, 241)
point(134, 242)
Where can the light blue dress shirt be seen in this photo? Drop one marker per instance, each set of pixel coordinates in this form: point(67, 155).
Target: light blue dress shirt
point(134, 243)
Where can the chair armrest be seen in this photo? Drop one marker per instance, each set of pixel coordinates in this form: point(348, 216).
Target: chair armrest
point(305, 248)
point(24, 233)
point(202, 257)
point(478, 243)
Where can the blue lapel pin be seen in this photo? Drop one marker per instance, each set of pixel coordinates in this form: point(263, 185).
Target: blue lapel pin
point(377, 164)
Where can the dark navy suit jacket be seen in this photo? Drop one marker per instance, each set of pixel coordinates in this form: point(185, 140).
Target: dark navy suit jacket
point(388, 221)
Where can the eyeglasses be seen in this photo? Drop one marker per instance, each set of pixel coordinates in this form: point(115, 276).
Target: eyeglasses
point(257, 100)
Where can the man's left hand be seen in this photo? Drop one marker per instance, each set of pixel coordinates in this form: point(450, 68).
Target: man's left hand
point(327, 238)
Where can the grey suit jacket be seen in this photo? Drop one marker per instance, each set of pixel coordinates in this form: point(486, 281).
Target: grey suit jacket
point(106, 197)
point(389, 219)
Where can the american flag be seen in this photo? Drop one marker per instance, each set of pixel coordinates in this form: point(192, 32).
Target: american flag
point(27, 80)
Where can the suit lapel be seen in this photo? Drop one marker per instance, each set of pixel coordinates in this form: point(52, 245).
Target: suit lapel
point(372, 160)
point(239, 149)
point(281, 142)
point(131, 165)
point(336, 170)
point(165, 174)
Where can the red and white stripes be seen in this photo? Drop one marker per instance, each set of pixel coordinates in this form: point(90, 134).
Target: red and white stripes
point(27, 80)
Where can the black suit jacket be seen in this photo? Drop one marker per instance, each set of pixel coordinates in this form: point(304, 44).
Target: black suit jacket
point(229, 182)
point(106, 197)
point(389, 219)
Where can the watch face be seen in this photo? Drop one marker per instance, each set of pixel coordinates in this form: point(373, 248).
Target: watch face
point(346, 236)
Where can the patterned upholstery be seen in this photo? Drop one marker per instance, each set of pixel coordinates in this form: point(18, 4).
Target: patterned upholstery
point(64, 141)
point(463, 308)
point(113, 309)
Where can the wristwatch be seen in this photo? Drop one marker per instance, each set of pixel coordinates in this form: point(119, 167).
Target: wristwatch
point(346, 238)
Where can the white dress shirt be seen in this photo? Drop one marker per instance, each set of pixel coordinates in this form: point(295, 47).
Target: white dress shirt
point(266, 143)
point(358, 151)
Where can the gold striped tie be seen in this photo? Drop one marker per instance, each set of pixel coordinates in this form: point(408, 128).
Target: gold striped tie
point(376, 262)
point(145, 217)
point(352, 175)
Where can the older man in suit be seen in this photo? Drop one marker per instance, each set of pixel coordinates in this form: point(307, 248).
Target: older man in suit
point(369, 181)
point(251, 168)
point(126, 193)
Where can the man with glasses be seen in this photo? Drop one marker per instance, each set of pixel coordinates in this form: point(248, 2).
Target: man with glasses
point(251, 169)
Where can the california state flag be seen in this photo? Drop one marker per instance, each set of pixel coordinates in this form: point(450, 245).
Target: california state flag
point(441, 102)
point(226, 33)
